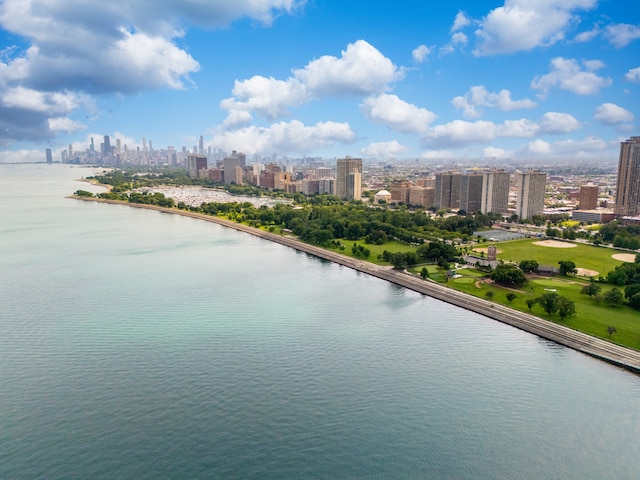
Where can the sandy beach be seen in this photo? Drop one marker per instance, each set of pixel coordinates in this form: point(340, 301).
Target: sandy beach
point(621, 356)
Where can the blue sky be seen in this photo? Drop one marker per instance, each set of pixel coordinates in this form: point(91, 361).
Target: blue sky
point(514, 79)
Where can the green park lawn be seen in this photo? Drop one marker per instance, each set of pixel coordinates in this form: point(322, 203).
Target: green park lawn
point(376, 250)
point(590, 257)
point(591, 317)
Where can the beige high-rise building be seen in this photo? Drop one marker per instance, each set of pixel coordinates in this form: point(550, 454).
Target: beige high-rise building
point(495, 192)
point(588, 197)
point(530, 197)
point(349, 178)
point(628, 184)
point(400, 192)
point(423, 196)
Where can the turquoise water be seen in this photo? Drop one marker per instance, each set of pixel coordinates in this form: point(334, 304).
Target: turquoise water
point(136, 344)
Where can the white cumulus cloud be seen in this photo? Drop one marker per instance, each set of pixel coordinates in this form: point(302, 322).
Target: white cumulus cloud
point(421, 52)
point(612, 114)
point(459, 133)
point(521, 128)
point(621, 34)
point(633, 75)
point(360, 71)
point(286, 137)
point(397, 114)
point(558, 123)
point(479, 96)
point(494, 152)
point(73, 48)
point(266, 96)
point(461, 21)
point(590, 147)
point(383, 149)
point(538, 147)
point(526, 24)
point(567, 74)
point(64, 124)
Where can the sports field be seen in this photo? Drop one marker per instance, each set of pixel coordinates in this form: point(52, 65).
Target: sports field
point(545, 252)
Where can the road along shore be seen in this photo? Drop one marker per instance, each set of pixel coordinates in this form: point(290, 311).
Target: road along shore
point(596, 347)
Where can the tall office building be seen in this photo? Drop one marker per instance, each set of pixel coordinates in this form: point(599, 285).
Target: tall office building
point(588, 197)
point(196, 163)
point(628, 184)
point(471, 192)
point(201, 146)
point(447, 190)
point(47, 153)
point(530, 197)
point(106, 147)
point(349, 178)
point(495, 192)
point(231, 175)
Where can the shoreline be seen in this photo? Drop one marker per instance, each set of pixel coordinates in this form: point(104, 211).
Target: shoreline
point(593, 346)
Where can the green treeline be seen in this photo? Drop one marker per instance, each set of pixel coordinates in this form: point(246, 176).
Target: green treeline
point(134, 197)
point(324, 219)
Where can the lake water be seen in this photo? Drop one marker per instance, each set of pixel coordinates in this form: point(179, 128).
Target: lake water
point(136, 344)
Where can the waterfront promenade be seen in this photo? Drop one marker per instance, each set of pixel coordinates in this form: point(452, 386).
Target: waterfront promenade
point(610, 352)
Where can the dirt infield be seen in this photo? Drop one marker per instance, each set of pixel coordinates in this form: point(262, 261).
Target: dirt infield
point(485, 250)
point(584, 272)
point(624, 257)
point(554, 244)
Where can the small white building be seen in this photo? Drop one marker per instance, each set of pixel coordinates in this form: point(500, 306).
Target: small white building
point(382, 195)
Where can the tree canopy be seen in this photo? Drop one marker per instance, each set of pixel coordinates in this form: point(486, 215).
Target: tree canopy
point(508, 275)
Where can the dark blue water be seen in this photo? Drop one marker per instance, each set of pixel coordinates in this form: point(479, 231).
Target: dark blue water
point(135, 344)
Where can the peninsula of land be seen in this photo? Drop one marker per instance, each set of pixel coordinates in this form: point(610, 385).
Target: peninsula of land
point(599, 348)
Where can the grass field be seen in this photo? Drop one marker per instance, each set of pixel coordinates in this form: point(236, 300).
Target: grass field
point(376, 250)
point(584, 256)
point(591, 317)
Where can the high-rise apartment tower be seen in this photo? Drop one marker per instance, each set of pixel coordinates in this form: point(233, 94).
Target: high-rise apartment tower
point(495, 192)
point(628, 184)
point(530, 198)
point(447, 190)
point(349, 178)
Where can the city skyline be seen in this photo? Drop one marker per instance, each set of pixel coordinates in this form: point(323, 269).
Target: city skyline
point(518, 79)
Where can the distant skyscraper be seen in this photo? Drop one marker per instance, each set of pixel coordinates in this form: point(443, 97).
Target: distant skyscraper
point(588, 197)
point(92, 146)
point(628, 184)
point(196, 163)
point(349, 178)
point(495, 192)
point(447, 190)
point(47, 153)
point(229, 164)
point(530, 198)
point(106, 147)
point(201, 146)
point(471, 192)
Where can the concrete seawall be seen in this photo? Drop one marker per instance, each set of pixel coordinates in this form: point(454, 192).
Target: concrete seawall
point(621, 356)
